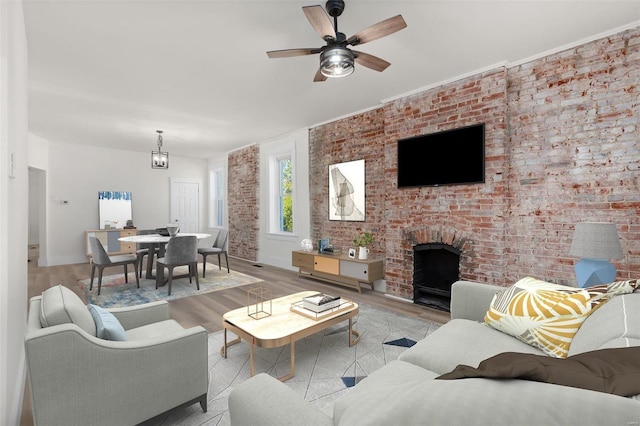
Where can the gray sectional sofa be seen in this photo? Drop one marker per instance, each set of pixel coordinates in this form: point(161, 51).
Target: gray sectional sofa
point(406, 392)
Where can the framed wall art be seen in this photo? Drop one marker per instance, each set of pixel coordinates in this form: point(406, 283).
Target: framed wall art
point(346, 191)
point(114, 208)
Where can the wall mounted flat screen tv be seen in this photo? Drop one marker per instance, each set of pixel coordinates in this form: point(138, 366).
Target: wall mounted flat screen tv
point(450, 157)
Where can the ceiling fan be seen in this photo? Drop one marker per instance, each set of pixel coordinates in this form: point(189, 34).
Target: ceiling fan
point(336, 59)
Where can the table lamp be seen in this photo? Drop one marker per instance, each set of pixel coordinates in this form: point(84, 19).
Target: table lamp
point(595, 243)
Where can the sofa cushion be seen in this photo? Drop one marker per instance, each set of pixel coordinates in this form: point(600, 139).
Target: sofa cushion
point(547, 315)
point(481, 402)
point(157, 329)
point(396, 374)
point(461, 341)
point(616, 324)
point(615, 370)
point(60, 305)
point(107, 326)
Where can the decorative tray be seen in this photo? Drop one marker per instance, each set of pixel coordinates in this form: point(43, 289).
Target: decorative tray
point(298, 308)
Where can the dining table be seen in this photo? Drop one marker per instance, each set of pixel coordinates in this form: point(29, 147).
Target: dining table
point(159, 242)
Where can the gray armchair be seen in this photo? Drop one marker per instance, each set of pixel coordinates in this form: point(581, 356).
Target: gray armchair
point(76, 378)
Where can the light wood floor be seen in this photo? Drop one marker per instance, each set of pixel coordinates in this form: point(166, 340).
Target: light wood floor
point(207, 309)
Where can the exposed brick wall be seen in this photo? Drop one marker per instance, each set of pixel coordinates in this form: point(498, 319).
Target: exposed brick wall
point(562, 146)
point(354, 138)
point(243, 189)
point(574, 121)
point(471, 216)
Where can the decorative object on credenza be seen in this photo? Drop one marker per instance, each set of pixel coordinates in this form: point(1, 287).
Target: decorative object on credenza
point(323, 243)
point(362, 241)
point(159, 158)
point(259, 303)
point(129, 225)
point(595, 243)
point(352, 253)
point(363, 253)
point(347, 191)
point(307, 245)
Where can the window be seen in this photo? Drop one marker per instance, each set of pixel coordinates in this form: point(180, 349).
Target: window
point(216, 208)
point(285, 195)
point(281, 175)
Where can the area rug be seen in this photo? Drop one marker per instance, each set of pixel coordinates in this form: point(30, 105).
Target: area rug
point(325, 366)
point(116, 293)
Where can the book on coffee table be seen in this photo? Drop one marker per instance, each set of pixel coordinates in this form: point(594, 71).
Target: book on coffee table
point(320, 302)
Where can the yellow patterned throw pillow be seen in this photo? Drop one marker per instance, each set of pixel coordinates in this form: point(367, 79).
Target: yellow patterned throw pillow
point(547, 315)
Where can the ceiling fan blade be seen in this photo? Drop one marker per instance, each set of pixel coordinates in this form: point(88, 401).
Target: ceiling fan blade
point(379, 30)
point(287, 53)
point(370, 61)
point(320, 21)
point(319, 76)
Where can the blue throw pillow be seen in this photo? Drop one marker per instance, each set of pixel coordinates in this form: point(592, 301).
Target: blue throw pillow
point(107, 325)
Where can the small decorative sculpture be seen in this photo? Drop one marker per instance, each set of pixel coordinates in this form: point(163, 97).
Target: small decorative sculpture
point(307, 245)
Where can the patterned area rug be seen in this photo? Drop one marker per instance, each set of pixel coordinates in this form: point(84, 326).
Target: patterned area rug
point(116, 293)
point(325, 366)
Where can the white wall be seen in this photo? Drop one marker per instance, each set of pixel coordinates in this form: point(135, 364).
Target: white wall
point(275, 249)
point(13, 209)
point(76, 173)
point(38, 152)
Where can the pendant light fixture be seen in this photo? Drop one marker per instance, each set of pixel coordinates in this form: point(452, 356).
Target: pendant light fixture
point(336, 62)
point(159, 159)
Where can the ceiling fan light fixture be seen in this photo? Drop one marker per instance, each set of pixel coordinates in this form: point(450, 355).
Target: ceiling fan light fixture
point(336, 62)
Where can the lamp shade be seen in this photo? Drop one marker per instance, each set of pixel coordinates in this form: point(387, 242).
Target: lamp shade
point(596, 240)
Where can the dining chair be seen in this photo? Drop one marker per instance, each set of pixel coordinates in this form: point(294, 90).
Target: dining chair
point(100, 260)
point(180, 251)
point(219, 247)
point(142, 249)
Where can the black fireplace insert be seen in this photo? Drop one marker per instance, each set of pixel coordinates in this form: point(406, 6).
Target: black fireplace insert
point(436, 266)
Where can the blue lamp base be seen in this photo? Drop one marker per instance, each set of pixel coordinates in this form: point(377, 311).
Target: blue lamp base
point(594, 271)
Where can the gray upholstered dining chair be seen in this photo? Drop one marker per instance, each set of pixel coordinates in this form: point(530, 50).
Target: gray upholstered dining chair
point(180, 251)
point(219, 247)
point(100, 260)
point(143, 249)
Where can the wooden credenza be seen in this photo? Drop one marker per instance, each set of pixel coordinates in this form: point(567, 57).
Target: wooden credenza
point(338, 269)
point(109, 240)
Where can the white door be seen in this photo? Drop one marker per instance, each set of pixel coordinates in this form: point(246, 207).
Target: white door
point(185, 204)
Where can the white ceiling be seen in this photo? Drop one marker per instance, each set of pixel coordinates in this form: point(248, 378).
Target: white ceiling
point(110, 73)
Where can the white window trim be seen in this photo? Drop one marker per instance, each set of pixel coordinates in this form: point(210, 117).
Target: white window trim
point(285, 151)
point(213, 212)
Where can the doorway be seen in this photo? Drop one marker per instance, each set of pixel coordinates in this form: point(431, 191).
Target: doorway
point(185, 204)
point(37, 238)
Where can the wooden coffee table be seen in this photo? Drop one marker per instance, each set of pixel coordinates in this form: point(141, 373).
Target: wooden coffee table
point(284, 326)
